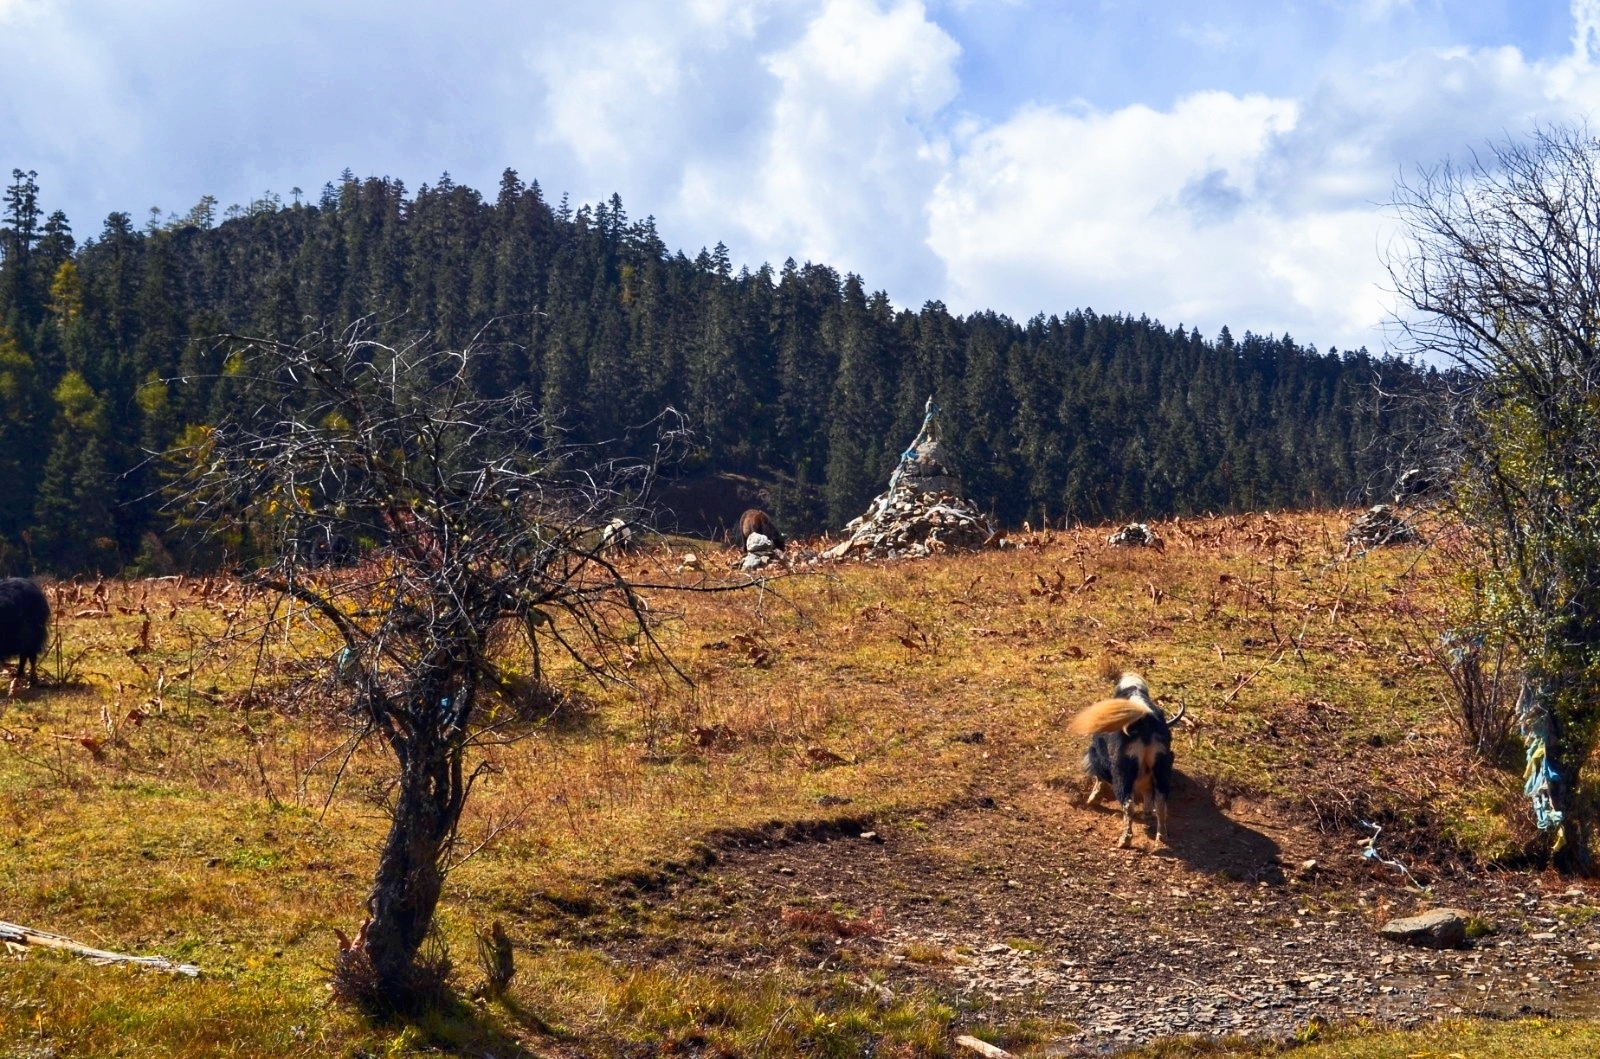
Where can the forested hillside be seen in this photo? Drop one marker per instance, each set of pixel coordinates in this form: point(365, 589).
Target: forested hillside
point(795, 375)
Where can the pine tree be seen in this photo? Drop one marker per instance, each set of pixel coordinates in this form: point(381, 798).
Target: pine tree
point(72, 518)
point(19, 399)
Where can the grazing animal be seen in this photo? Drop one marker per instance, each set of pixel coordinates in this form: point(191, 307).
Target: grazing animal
point(1130, 750)
point(757, 521)
point(24, 624)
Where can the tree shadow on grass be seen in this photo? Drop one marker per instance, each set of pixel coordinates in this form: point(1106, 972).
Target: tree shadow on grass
point(454, 1025)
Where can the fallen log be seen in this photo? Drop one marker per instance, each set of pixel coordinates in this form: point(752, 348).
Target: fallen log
point(13, 934)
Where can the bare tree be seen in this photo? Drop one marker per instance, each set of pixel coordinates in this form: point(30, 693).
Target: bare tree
point(1502, 270)
point(482, 537)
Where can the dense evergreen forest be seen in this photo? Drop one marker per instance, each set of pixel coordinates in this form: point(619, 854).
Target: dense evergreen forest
point(797, 376)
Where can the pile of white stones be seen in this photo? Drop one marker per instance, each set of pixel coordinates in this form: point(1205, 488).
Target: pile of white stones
point(1379, 526)
point(906, 523)
point(759, 551)
point(1134, 535)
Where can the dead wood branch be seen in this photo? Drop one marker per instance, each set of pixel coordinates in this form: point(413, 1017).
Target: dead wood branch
point(13, 934)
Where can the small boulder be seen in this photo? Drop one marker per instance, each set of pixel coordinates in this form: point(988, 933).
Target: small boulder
point(1135, 535)
point(1440, 928)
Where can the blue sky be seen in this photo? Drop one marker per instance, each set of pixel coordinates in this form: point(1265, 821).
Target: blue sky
point(1208, 164)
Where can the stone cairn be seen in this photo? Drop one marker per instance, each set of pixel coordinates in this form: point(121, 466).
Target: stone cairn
point(1379, 526)
point(922, 513)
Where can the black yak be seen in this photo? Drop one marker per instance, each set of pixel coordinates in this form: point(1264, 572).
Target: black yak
point(24, 624)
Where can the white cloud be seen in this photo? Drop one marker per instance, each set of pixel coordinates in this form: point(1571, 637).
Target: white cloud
point(13, 11)
point(1136, 210)
point(806, 128)
point(849, 154)
point(1246, 210)
point(852, 132)
point(630, 88)
point(1585, 28)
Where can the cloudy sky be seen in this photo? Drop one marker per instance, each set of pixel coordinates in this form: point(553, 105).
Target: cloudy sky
point(1205, 164)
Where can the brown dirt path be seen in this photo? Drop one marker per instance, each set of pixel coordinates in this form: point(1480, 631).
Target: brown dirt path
point(1020, 907)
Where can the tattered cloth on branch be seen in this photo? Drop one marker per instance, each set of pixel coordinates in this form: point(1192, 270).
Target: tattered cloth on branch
point(922, 512)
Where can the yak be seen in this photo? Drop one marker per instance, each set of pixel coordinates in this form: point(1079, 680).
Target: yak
point(757, 521)
point(24, 624)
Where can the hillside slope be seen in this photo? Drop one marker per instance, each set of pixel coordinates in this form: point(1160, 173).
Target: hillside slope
point(860, 828)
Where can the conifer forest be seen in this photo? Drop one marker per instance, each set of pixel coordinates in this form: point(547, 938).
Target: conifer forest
point(114, 347)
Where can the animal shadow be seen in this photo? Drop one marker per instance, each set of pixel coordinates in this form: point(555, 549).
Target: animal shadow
point(1207, 840)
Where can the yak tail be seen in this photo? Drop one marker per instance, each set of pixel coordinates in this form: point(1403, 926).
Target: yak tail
point(1108, 715)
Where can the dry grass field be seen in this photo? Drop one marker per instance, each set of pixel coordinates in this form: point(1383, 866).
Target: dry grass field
point(816, 846)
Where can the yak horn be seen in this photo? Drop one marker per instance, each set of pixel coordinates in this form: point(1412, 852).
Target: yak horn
point(1175, 719)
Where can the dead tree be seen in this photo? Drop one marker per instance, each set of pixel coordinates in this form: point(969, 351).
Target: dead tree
point(481, 536)
point(1500, 266)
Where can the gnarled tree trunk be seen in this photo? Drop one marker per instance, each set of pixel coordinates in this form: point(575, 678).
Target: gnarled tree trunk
point(410, 876)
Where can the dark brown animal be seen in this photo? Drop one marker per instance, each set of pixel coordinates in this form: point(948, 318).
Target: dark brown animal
point(24, 625)
point(757, 521)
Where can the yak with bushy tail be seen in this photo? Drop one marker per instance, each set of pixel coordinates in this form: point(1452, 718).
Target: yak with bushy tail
point(1130, 751)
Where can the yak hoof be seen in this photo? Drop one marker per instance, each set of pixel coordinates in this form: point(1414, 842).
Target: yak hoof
point(1126, 840)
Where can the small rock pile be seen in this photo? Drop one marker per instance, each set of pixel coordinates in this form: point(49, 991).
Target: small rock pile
point(759, 551)
point(1379, 526)
point(922, 512)
point(1134, 535)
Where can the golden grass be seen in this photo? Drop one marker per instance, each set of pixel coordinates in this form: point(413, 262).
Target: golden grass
point(172, 798)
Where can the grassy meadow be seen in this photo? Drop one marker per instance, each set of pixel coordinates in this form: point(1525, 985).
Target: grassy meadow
point(180, 787)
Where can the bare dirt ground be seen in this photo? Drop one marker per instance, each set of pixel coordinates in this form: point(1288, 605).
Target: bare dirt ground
point(1018, 907)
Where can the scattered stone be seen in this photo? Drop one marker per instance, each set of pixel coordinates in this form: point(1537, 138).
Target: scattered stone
point(1135, 535)
point(1378, 527)
point(1441, 928)
point(759, 550)
point(905, 524)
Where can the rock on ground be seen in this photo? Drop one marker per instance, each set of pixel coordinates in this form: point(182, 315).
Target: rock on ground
point(1441, 928)
point(1134, 535)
